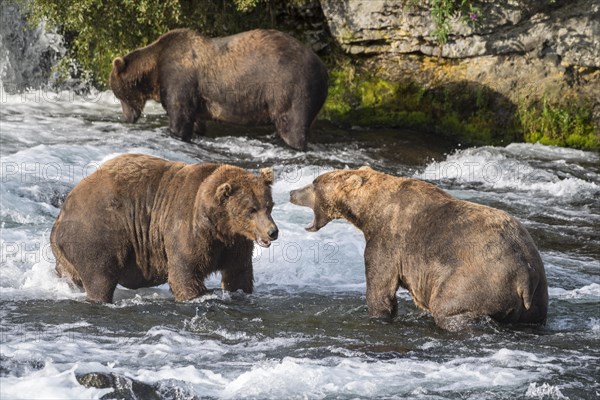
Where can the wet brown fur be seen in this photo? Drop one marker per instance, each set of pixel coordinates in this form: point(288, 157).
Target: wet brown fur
point(252, 78)
point(460, 260)
point(142, 221)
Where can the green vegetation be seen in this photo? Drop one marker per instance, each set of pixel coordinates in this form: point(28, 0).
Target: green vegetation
point(470, 113)
point(360, 98)
point(98, 31)
point(568, 124)
point(443, 11)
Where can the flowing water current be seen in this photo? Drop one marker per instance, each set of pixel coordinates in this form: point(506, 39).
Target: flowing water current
point(304, 332)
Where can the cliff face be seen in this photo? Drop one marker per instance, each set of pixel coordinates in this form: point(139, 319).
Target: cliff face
point(567, 31)
point(524, 50)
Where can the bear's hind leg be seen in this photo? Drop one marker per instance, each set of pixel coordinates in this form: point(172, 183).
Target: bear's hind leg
point(99, 276)
point(89, 264)
point(69, 273)
point(100, 288)
point(538, 311)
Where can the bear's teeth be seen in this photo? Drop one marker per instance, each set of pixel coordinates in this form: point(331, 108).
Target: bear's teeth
point(263, 243)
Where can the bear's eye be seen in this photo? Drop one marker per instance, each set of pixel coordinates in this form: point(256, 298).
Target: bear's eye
point(253, 210)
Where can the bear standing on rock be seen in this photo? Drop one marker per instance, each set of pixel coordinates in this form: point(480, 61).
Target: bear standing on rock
point(459, 260)
point(252, 78)
point(141, 221)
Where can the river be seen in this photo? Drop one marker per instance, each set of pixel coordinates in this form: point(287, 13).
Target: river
point(304, 332)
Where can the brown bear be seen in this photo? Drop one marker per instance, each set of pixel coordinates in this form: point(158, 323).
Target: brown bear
point(252, 78)
point(459, 260)
point(141, 221)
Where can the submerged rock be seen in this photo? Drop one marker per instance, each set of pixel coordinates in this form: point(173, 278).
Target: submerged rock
point(125, 388)
point(130, 389)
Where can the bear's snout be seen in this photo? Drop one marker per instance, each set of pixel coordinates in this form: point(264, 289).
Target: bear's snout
point(304, 196)
point(273, 233)
point(266, 231)
point(307, 197)
point(297, 142)
point(130, 114)
point(293, 197)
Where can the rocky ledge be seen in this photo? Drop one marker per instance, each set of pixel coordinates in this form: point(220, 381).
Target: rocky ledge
point(531, 52)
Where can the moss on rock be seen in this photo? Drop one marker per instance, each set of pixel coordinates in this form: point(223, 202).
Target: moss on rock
point(469, 113)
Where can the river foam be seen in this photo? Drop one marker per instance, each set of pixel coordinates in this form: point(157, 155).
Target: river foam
point(250, 375)
point(496, 168)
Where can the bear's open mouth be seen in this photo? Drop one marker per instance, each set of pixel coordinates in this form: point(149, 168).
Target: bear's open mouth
point(263, 242)
point(312, 227)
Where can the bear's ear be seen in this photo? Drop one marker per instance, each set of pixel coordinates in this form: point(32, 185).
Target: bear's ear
point(119, 64)
point(223, 191)
point(267, 175)
point(354, 181)
point(366, 168)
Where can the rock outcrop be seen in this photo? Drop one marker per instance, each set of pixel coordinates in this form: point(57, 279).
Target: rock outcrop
point(567, 31)
point(27, 53)
point(523, 49)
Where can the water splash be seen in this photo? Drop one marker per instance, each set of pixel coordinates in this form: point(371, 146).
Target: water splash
point(27, 53)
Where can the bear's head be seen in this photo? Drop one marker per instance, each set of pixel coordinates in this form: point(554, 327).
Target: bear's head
point(131, 84)
point(333, 195)
point(241, 204)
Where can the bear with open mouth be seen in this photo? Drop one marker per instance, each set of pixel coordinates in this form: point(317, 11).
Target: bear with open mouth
point(459, 260)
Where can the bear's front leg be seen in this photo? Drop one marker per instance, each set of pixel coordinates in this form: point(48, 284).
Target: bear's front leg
point(236, 280)
point(185, 281)
point(236, 267)
point(382, 284)
point(182, 108)
point(200, 125)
